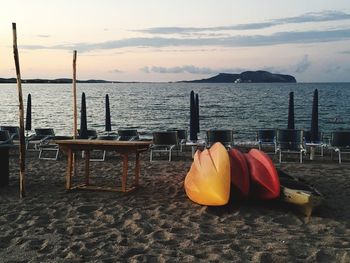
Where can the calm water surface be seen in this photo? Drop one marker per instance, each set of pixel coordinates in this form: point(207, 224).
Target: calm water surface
point(158, 106)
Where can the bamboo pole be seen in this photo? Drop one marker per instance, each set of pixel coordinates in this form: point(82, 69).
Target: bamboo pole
point(21, 116)
point(75, 126)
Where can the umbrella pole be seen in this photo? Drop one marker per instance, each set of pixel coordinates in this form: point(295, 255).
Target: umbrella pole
point(28, 123)
point(21, 115)
point(193, 128)
point(108, 126)
point(291, 122)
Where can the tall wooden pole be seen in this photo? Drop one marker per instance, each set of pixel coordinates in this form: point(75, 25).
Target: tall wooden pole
point(22, 151)
point(75, 126)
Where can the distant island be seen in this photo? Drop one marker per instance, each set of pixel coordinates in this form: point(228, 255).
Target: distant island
point(259, 76)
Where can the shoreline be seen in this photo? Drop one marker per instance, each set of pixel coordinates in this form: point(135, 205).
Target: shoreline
point(159, 223)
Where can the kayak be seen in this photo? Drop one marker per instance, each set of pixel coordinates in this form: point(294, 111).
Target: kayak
point(265, 183)
point(297, 192)
point(208, 181)
point(239, 172)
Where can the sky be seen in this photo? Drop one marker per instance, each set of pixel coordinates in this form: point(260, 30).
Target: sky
point(173, 40)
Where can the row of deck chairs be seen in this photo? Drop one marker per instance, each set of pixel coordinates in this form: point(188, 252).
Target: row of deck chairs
point(47, 144)
point(282, 142)
point(299, 142)
point(43, 139)
point(176, 139)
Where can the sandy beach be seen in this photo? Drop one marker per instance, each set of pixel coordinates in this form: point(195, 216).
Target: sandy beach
point(158, 223)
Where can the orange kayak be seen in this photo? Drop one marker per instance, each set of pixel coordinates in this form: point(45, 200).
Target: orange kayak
point(208, 181)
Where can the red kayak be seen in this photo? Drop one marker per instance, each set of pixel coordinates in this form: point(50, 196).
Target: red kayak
point(239, 171)
point(263, 175)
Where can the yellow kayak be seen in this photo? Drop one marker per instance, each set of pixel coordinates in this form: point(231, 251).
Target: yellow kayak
point(208, 181)
point(299, 193)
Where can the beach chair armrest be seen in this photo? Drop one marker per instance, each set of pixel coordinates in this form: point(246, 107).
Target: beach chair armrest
point(31, 137)
point(161, 147)
point(9, 141)
point(46, 140)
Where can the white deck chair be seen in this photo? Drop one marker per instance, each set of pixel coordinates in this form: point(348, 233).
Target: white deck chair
point(164, 142)
point(290, 141)
point(340, 143)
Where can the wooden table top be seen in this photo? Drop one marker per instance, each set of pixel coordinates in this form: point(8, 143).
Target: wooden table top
point(103, 142)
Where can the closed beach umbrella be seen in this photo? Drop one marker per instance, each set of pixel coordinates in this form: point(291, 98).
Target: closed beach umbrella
point(83, 118)
point(291, 111)
point(29, 114)
point(197, 113)
point(193, 123)
point(108, 126)
point(314, 137)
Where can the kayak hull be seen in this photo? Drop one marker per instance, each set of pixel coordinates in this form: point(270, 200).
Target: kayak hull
point(299, 193)
point(208, 181)
point(263, 175)
point(239, 172)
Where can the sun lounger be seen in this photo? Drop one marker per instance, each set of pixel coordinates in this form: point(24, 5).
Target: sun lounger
point(223, 136)
point(40, 137)
point(164, 142)
point(92, 135)
point(266, 137)
point(340, 143)
point(13, 131)
point(128, 135)
point(44, 141)
point(182, 137)
point(290, 141)
point(313, 145)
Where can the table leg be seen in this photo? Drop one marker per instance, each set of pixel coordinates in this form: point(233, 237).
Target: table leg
point(312, 152)
point(87, 167)
point(125, 171)
point(137, 169)
point(69, 169)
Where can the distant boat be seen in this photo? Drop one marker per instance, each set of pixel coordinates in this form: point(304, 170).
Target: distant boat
point(238, 80)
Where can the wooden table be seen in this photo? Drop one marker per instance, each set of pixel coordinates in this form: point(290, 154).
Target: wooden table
point(125, 148)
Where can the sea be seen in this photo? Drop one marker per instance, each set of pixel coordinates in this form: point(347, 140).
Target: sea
point(149, 107)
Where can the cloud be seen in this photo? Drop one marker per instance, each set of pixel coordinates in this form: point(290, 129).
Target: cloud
point(323, 16)
point(182, 50)
point(303, 64)
point(292, 37)
point(188, 30)
point(177, 70)
point(145, 70)
point(188, 69)
point(115, 71)
point(43, 36)
point(333, 69)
